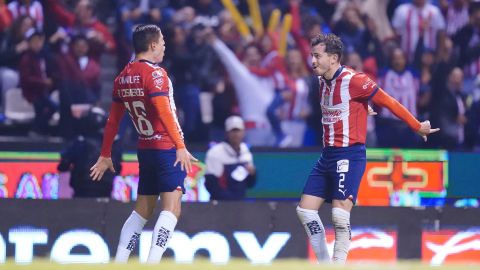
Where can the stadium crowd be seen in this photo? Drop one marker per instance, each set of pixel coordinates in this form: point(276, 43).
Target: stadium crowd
point(254, 63)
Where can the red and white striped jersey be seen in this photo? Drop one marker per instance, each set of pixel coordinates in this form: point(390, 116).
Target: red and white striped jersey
point(408, 20)
point(344, 101)
point(34, 10)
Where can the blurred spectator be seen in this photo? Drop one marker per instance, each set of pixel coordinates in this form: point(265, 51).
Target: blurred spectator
point(31, 8)
point(187, 59)
point(81, 87)
point(400, 83)
point(5, 19)
point(82, 153)
point(229, 165)
point(456, 15)
point(353, 32)
point(83, 22)
point(254, 93)
point(376, 11)
point(134, 12)
point(472, 128)
point(297, 107)
point(36, 80)
point(449, 112)
point(416, 20)
point(82, 73)
point(467, 43)
point(273, 66)
point(12, 49)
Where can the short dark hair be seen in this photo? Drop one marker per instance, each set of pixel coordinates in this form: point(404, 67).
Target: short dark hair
point(333, 44)
point(144, 35)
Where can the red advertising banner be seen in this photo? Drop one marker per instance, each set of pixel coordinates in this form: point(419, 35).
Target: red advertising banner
point(40, 180)
point(368, 244)
point(451, 246)
point(383, 179)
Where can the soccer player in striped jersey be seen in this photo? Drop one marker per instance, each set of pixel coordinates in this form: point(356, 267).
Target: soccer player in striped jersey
point(336, 176)
point(144, 90)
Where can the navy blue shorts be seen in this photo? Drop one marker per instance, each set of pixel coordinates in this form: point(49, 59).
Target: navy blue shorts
point(157, 173)
point(337, 173)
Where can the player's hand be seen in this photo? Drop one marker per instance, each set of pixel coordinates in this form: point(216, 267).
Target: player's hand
point(185, 159)
point(371, 112)
point(426, 129)
point(97, 170)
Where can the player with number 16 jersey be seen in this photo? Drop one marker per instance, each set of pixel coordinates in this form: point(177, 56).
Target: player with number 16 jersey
point(144, 90)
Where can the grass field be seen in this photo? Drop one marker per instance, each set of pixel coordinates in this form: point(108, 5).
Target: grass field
point(233, 265)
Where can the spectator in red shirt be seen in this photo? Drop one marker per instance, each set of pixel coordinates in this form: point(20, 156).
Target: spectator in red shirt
point(36, 80)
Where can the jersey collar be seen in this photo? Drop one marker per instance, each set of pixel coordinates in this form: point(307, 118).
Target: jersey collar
point(146, 61)
point(337, 73)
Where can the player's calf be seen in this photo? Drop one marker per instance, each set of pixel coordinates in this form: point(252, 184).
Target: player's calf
point(162, 233)
point(315, 231)
point(129, 236)
point(343, 234)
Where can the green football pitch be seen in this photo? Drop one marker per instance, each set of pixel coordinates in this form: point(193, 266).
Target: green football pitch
point(232, 265)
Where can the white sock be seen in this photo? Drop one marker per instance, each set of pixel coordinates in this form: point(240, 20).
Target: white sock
point(315, 231)
point(162, 232)
point(343, 234)
point(129, 236)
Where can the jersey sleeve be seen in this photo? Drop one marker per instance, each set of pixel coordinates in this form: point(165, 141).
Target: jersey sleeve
point(362, 87)
point(384, 100)
point(158, 90)
point(156, 82)
point(111, 128)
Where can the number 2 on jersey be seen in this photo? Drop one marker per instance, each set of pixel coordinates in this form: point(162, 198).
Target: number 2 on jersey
point(138, 115)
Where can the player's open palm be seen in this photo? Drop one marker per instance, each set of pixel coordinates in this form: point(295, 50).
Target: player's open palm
point(185, 159)
point(97, 170)
point(426, 129)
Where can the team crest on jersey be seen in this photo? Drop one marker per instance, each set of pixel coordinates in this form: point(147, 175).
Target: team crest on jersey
point(156, 74)
point(342, 166)
point(158, 82)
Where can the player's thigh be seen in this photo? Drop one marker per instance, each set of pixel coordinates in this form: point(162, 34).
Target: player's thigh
point(145, 205)
point(346, 177)
point(317, 184)
point(311, 202)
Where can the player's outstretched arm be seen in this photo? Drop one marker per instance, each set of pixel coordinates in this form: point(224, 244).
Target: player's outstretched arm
point(166, 115)
point(381, 98)
point(104, 162)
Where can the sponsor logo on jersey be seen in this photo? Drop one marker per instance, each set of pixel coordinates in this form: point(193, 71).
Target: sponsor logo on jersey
point(330, 116)
point(367, 84)
point(129, 79)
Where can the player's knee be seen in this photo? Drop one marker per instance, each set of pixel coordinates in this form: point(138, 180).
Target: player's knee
point(144, 212)
point(341, 219)
point(174, 209)
point(306, 214)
